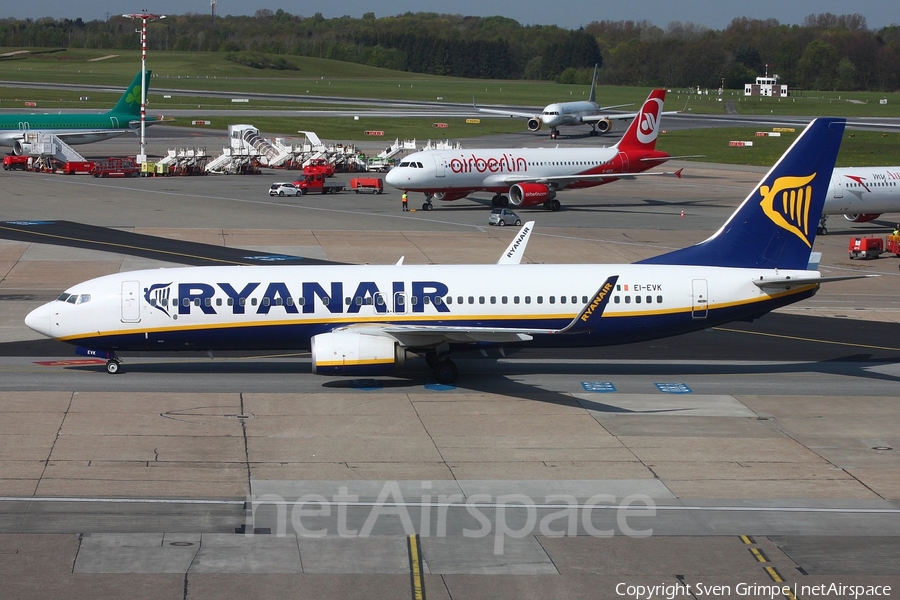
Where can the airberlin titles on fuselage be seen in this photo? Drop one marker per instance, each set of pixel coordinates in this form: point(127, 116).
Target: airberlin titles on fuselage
point(507, 163)
point(204, 296)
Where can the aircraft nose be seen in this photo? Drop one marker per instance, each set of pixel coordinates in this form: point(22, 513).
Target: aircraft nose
point(39, 320)
point(393, 178)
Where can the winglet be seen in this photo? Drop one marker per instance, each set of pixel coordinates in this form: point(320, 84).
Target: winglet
point(593, 310)
point(516, 249)
point(678, 173)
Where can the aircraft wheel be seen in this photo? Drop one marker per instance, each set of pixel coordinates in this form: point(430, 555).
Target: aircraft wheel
point(427, 206)
point(445, 371)
point(504, 201)
point(112, 367)
point(495, 201)
point(553, 205)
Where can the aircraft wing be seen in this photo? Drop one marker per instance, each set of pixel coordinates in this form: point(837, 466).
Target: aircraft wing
point(428, 336)
point(618, 116)
point(511, 113)
point(565, 180)
point(424, 336)
point(90, 132)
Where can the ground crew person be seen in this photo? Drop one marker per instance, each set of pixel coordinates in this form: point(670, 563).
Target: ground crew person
point(405, 202)
point(897, 229)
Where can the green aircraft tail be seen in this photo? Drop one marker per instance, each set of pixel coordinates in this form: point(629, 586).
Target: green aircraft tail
point(130, 102)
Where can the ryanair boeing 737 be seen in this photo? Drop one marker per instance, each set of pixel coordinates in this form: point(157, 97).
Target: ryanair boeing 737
point(363, 318)
point(77, 128)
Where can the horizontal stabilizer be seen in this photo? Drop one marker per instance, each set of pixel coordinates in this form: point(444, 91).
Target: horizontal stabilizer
point(789, 282)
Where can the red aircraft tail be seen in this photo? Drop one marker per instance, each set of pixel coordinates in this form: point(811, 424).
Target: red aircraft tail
point(641, 134)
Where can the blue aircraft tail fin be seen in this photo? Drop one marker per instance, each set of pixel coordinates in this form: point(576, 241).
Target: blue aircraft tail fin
point(775, 226)
point(130, 102)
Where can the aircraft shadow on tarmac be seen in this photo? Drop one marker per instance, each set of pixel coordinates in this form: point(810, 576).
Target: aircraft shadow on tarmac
point(485, 375)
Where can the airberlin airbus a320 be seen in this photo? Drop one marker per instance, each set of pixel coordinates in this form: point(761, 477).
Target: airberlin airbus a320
point(529, 177)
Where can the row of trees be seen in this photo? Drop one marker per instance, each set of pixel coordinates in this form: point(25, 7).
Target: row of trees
point(825, 52)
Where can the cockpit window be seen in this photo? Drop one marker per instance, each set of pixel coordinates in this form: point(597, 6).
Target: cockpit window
point(403, 164)
point(74, 298)
point(419, 165)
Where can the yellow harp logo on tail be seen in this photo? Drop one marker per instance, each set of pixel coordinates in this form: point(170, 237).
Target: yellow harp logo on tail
point(787, 204)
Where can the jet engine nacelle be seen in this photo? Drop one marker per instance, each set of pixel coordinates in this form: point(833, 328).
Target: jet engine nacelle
point(446, 196)
point(18, 148)
point(604, 125)
point(350, 353)
point(534, 124)
point(861, 218)
point(530, 194)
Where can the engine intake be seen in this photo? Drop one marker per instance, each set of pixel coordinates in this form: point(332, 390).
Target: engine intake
point(352, 353)
point(861, 218)
point(534, 124)
point(530, 194)
point(447, 196)
point(604, 125)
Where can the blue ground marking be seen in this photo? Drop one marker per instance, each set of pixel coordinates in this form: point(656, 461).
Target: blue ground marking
point(439, 387)
point(600, 387)
point(673, 388)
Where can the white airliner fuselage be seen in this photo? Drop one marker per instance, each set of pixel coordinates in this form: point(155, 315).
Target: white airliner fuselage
point(243, 308)
point(863, 193)
point(356, 318)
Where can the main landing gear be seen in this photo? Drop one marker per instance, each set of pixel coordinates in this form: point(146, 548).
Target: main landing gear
point(553, 205)
point(444, 369)
point(499, 201)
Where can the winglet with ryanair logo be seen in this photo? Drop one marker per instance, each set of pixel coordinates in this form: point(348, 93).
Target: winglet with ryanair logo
point(775, 227)
point(593, 310)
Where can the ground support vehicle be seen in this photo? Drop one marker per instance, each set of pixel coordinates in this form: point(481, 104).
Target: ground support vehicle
point(116, 167)
point(367, 184)
point(15, 162)
point(320, 166)
point(78, 166)
point(316, 184)
point(868, 247)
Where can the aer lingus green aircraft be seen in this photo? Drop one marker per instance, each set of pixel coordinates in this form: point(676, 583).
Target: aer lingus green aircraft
point(78, 128)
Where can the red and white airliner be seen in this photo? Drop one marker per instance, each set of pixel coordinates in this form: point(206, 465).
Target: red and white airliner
point(862, 194)
point(528, 177)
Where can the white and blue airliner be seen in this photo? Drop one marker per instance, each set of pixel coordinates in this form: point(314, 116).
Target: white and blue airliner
point(364, 318)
